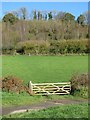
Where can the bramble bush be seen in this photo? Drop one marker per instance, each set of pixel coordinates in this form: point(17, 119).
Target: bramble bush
point(79, 85)
point(14, 85)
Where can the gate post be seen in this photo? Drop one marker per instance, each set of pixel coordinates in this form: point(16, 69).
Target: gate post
point(31, 87)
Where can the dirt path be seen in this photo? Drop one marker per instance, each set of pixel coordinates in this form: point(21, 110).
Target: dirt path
point(43, 105)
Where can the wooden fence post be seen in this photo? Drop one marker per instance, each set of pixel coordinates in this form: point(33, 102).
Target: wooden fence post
point(31, 87)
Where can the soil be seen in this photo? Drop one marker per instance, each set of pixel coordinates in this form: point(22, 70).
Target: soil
point(39, 106)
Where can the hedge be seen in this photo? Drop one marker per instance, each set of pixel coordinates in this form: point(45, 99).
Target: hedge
point(35, 47)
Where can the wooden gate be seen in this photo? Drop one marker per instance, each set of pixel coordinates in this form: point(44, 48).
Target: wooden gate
point(50, 88)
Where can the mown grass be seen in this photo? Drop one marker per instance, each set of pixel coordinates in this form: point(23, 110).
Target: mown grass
point(40, 69)
point(44, 68)
point(12, 99)
point(64, 111)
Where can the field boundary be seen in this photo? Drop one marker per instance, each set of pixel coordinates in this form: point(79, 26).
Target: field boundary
point(50, 88)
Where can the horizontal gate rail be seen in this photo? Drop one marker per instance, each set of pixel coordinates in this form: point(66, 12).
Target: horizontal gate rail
point(50, 88)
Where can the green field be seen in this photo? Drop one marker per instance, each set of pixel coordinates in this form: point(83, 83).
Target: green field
point(40, 69)
point(44, 68)
point(66, 111)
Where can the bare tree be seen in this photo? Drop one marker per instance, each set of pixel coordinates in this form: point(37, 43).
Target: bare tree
point(23, 12)
point(15, 13)
point(87, 16)
point(60, 15)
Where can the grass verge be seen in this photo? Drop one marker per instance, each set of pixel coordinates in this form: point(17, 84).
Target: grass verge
point(64, 111)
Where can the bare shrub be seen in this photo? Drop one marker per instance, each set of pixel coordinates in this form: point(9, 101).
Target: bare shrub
point(79, 83)
point(14, 85)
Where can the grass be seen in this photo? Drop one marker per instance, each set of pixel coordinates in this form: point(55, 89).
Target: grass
point(64, 111)
point(0, 66)
point(12, 99)
point(40, 69)
point(44, 68)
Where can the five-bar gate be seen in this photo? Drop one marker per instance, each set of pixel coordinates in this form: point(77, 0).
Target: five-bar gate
point(50, 88)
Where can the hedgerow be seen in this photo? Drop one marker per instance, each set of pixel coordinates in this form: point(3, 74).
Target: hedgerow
point(53, 47)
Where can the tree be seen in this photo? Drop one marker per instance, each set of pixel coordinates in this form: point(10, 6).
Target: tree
point(50, 15)
point(60, 16)
point(45, 16)
point(23, 13)
point(81, 20)
point(16, 14)
point(86, 16)
point(69, 17)
point(39, 15)
point(34, 15)
point(10, 18)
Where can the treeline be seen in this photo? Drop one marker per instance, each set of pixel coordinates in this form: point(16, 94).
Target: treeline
point(45, 26)
point(23, 14)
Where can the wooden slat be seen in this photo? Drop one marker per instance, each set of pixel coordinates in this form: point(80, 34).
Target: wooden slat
point(52, 88)
point(54, 94)
point(51, 83)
